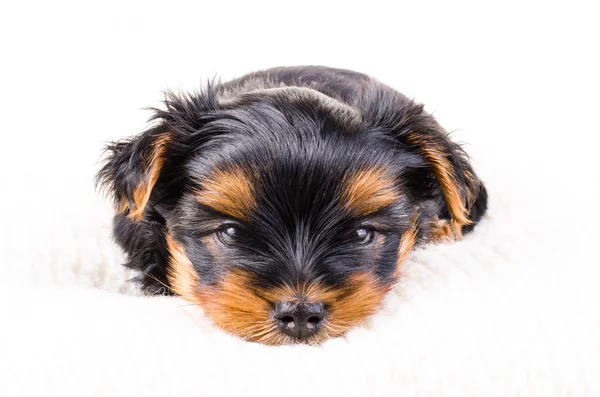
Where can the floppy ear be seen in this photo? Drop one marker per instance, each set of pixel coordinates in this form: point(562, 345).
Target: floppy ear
point(452, 198)
point(132, 169)
point(133, 166)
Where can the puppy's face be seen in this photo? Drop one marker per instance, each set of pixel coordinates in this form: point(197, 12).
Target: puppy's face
point(282, 236)
point(285, 219)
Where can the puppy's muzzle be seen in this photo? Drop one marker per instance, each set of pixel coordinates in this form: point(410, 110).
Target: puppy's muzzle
point(299, 320)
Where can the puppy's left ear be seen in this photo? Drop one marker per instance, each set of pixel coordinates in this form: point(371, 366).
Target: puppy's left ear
point(451, 197)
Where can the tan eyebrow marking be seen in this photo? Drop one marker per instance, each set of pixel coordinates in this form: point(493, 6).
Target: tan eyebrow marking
point(369, 190)
point(228, 191)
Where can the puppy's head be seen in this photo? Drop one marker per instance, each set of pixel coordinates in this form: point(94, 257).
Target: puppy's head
point(284, 213)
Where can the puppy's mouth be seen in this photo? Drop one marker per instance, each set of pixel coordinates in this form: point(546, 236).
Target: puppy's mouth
point(288, 315)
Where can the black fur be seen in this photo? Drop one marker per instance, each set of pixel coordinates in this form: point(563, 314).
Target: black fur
point(299, 149)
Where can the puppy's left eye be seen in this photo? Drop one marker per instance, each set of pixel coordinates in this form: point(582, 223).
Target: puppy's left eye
point(365, 236)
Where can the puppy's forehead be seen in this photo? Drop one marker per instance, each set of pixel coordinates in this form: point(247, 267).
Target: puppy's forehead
point(294, 159)
point(236, 191)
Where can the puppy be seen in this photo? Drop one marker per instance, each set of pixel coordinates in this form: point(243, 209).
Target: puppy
point(285, 202)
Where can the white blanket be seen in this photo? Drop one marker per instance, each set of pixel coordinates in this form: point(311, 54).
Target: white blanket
point(510, 310)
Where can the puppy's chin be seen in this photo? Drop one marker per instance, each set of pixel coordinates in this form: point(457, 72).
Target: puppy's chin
point(239, 307)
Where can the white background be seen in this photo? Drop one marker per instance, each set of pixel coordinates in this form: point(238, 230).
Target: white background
point(517, 81)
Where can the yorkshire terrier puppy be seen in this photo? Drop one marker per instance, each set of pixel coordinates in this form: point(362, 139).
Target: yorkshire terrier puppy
point(284, 203)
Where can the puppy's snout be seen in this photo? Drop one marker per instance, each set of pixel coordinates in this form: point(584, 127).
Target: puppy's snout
point(299, 320)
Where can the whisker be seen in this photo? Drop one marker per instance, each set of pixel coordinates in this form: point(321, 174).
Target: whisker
point(157, 280)
point(263, 332)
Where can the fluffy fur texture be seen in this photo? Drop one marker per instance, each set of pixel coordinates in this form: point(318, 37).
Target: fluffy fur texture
point(295, 186)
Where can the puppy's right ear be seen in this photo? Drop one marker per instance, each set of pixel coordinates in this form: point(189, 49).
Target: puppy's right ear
point(133, 166)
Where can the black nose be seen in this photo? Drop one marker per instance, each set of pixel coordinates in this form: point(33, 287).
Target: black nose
point(300, 320)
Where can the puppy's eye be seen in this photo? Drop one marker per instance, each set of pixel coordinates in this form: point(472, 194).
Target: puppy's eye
point(227, 234)
point(365, 236)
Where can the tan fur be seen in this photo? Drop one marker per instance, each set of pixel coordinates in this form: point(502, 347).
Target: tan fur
point(123, 206)
point(407, 242)
point(444, 173)
point(181, 274)
point(442, 230)
point(352, 304)
point(229, 192)
point(141, 193)
point(368, 191)
point(235, 306)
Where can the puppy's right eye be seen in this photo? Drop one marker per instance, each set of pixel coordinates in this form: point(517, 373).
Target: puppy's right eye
point(365, 236)
point(227, 235)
